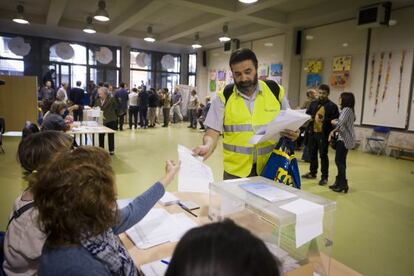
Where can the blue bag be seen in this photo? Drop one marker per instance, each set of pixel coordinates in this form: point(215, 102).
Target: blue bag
point(282, 165)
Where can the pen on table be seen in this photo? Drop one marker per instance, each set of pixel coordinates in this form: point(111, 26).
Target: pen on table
point(165, 262)
point(186, 209)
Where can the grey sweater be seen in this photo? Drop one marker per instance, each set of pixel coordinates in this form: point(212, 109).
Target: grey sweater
point(75, 260)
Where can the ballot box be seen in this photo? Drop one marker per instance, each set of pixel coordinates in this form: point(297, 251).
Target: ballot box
point(296, 226)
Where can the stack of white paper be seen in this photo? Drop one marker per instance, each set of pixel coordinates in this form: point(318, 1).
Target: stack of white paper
point(287, 119)
point(168, 199)
point(156, 268)
point(267, 191)
point(309, 219)
point(158, 227)
point(194, 175)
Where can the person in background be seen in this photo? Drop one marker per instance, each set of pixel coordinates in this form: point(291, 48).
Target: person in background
point(176, 100)
point(76, 95)
point(166, 99)
point(24, 239)
point(223, 248)
point(79, 215)
point(62, 94)
point(311, 95)
point(90, 89)
point(47, 95)
point(143, 108)
point(108, 105)
point(158, 116)
point(344, 125)
point(50, 76)
point(152, 104)
point(192, 109)
point(322, 111)
point(122, 96)
point(133, 108)
point(203, 116)
point(94, 95)
point(53, 120)
point(199, 114)
point(29, 128)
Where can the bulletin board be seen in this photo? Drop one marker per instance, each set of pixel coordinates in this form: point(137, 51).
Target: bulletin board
point(387, 88)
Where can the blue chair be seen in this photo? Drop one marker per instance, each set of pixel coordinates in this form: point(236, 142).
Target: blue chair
point(377, 142)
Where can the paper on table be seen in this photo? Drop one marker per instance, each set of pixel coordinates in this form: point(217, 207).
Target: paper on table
point(194, 175)
point(267, 192)
point(168, 199)
point(156, 268)
point(287, 119)
point(309, 219)
point(183, 223)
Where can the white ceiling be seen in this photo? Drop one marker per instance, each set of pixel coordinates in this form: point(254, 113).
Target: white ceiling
point(175, 22)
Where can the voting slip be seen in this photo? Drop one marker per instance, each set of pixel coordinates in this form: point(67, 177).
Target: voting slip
point(156, 268)
point(194, 175)
point(168, 199)
point(267, 191)
point(159, 227)
point(287, 119)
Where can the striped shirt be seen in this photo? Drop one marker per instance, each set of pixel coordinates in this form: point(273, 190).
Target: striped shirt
point(345, 127)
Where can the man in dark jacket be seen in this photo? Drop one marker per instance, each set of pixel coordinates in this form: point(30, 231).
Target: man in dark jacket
point(122, 96)
point(143, 108)
point(76, 95)
point(323, 111)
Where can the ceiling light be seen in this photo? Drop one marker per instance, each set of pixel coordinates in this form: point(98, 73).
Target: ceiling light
point(196, 43)
point(248, 1)
point(268, 44)
point(101, 13)
point(225, 37)
point(150, 36)
point(345, 44)
point(20, 18)
point(392, 22)
point(89, 27)
point(309, 37)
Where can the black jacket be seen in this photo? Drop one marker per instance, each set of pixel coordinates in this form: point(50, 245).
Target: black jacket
point(331, 112)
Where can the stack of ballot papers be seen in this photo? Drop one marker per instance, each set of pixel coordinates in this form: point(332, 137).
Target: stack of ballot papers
point(156, 268)
point(287, 119)
point(309, 219)
point(168, 199)
point(158, 227)
point(267, 191)
point(288, 263)
point(194, 175)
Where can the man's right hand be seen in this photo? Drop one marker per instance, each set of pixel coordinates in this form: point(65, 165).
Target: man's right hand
point(202, 150)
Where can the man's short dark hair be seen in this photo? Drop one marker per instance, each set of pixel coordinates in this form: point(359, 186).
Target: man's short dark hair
point(243, 54)
point(122, 85)
point(78, 83)
point(324, 87)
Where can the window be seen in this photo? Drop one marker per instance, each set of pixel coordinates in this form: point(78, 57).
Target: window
point(140, 65)
point(192, 69)
point(79, 56)
point(10, 64)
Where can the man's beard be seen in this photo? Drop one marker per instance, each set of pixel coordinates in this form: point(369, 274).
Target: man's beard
point(244, 86)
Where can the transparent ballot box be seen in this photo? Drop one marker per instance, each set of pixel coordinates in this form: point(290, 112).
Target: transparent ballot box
point(296, 226)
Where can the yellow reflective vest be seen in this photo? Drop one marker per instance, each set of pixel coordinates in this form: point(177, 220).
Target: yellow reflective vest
point(240, 126)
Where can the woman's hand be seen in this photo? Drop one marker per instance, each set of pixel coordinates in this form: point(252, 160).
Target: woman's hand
point(292, 135)
point(331, 134)
point(171, 170)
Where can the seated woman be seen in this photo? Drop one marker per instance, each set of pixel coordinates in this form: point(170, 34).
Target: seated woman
point(222, 248)
point(24, 241)
point(53, 119)
point(76, 198)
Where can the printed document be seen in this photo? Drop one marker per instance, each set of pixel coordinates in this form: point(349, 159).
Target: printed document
point(156, 268)
point(287, 119)
point(309, 219)
point(267, 191)
point(194, 175)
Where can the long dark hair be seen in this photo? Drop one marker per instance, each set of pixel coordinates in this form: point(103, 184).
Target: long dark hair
point(222, 248)
point(348, 100)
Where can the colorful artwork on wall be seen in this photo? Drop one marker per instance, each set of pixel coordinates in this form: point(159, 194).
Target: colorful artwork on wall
point(313, 80)
point(340, 79)
point(314, 66)
point(221, 75)
point(263, 72)
point(276, 69)
point(212, 82)
point(341, 64)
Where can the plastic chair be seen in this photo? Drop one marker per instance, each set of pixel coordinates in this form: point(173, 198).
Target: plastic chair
point(377, 142)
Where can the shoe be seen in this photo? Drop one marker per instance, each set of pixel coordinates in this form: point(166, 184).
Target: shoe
point(164, 126)
point(323, 181)
point(342, 187)
point(335, 184)
point(189, 127)
point(309, 176)
point(111, 153)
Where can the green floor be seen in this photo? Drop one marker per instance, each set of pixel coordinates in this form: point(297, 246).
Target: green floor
point(374, 222)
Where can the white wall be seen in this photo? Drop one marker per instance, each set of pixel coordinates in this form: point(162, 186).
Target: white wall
point(326, 44)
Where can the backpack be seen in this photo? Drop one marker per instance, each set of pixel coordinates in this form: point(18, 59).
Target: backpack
point(274, 87)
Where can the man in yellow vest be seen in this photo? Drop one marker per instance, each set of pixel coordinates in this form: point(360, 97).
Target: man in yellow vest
point(248, 107)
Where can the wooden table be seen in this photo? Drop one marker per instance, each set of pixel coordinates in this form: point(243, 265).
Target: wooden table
point(141, 257)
